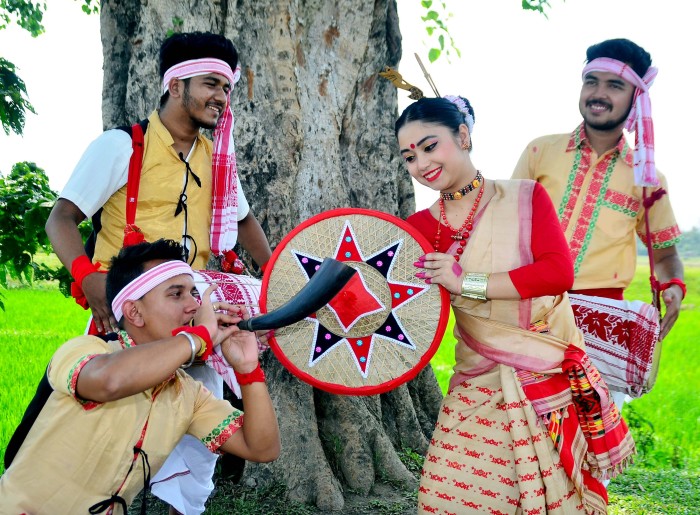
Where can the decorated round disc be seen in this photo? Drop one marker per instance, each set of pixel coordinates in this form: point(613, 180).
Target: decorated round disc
point(382, 328)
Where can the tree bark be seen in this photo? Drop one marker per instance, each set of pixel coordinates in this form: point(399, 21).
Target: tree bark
point(314, 131)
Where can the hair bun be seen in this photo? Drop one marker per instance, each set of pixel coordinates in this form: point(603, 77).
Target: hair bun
point(465, 108)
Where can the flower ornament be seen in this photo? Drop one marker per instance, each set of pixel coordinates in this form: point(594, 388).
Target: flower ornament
point(463, 108)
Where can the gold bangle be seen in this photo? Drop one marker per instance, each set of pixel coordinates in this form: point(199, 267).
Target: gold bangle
point(474, 286)
point(202, 346)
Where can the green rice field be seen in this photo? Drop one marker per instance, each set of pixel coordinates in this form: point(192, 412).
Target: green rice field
point(665, 422)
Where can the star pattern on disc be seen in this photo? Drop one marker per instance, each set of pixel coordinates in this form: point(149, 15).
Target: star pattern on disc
point(356, 301)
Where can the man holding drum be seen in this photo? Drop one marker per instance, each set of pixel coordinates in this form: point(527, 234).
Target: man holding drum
point(187, 189)
point(119, 406)
point(605, 193)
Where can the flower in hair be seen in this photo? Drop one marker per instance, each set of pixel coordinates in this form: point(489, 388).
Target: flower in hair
point(463, 108)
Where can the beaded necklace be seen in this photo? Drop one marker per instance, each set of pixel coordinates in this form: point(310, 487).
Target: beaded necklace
point(462, 234)
point(461, 193)
point(125, 339)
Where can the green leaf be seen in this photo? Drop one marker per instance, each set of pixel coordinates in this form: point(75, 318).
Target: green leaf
point(535, 5)
point(13, 101)
point(427, 3)
point(25, 13)
point(430, 30)
point(432, 15)
point(90, 6)
point(25, 200)
point(441, 39)
point(433, 54)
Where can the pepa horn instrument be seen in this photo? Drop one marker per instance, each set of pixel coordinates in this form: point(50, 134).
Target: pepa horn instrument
point(326, 283)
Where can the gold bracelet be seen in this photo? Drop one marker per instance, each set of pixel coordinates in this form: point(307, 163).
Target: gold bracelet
point(203, 346)
point(474, 286)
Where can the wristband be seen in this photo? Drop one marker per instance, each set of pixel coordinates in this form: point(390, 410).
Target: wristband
point(82, 267)
point(207, 346)
point(677, 282)
point(256, 376)
point(192, 345)
point(474, 286)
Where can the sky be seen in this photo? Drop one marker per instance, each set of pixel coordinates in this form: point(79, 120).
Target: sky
point(520, 70)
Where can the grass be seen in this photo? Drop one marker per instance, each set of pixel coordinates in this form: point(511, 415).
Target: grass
point(35, 323)
point(665, 422)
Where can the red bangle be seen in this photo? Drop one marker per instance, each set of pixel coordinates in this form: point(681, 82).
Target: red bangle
point(677, 282)
point(203, 333)
point(256, 376)
point(82, 267)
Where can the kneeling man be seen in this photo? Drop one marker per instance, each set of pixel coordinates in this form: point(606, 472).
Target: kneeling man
point(119, 407)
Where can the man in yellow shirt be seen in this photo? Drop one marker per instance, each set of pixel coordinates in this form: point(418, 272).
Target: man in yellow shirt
point(117, 408)
point(189, 191)
point(597, 182)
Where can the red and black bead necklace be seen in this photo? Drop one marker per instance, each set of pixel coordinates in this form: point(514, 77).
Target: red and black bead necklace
point(462, 234)
point(457, 195)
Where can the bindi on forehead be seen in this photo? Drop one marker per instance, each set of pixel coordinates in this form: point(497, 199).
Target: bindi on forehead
point(412, 145)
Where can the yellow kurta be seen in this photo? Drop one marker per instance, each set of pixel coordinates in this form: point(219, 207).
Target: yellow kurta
point(162, 180)
point(599, 206)
point(79, 453)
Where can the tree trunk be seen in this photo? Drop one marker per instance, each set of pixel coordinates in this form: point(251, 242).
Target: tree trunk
point(314, 131)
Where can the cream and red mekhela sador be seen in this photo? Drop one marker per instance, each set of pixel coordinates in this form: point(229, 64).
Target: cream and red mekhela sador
point(527, 425)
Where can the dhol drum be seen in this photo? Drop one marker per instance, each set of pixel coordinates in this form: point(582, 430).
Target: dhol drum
point(622, 340)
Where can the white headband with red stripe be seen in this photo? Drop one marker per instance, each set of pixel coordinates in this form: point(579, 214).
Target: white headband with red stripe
point(147, 281)
point(639, 120)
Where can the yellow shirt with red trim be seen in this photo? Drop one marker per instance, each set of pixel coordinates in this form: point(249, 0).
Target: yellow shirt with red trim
point(162, 181)
point(599, 206)
point(79, 453)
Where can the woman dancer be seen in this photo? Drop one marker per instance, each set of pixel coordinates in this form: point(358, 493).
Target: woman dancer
point(527, 425)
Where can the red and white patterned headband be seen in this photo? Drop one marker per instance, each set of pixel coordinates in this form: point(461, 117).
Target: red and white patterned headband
point(639, 120)
point(147, 281)
point(195, 67)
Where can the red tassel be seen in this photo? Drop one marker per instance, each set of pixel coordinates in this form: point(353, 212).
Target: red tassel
point(133, 235)
point(231, 263)
point(77, 292)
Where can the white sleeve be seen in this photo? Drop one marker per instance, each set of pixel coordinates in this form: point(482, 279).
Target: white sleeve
point(243, 206)
point(101, 171)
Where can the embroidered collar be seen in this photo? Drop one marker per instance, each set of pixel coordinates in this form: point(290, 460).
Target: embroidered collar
point(579, 140)
point(124, 339)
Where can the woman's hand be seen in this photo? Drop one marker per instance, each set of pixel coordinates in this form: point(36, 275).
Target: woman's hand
point(439, 268)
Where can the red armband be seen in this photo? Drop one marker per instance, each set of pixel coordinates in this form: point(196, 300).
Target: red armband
point(256, 376)
point(82, 267)
point(677, 282)
point(203, 333)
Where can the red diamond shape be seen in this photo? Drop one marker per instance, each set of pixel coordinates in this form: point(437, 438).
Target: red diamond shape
point(353, 302)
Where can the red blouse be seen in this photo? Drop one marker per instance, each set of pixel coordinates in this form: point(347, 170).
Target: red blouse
point(552, 271)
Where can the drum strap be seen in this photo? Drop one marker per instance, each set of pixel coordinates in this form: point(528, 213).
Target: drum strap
point(134, 179)
point(135, 164)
